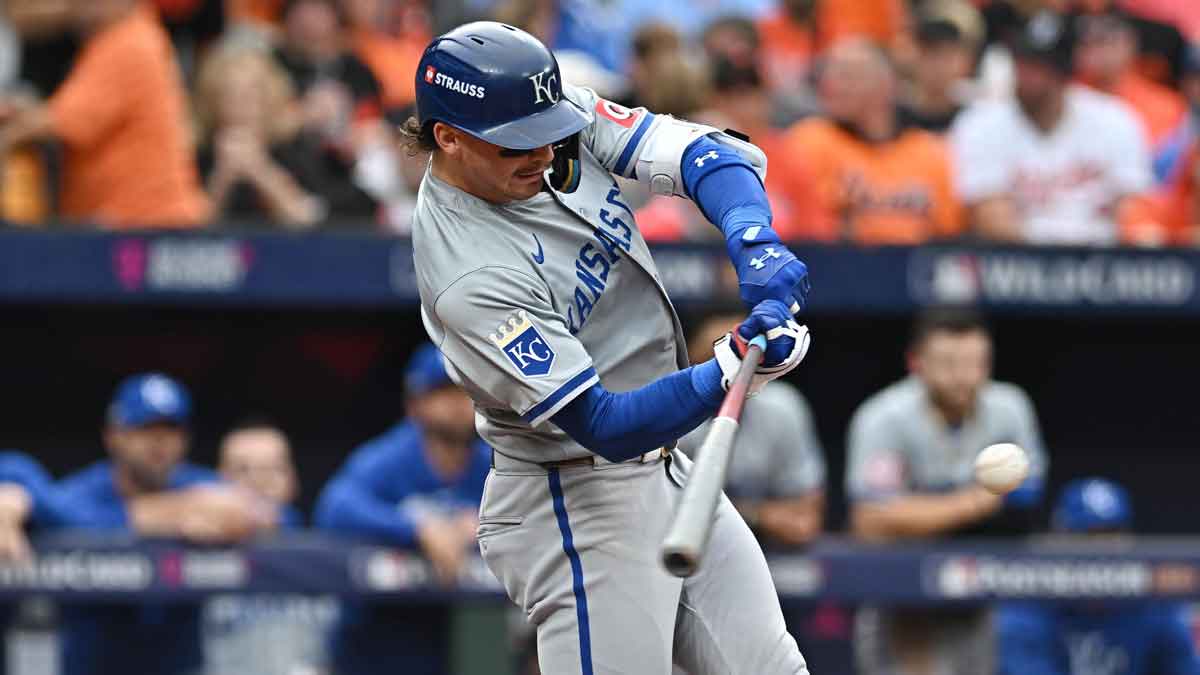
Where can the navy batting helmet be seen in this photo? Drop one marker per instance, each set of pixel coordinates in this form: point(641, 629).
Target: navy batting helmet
point(1091, 504)
point(497, 83)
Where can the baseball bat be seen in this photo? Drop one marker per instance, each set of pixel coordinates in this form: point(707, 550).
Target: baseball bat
point(686, 538)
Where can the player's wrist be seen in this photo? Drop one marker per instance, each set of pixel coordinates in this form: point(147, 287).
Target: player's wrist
point(706, 381)
point(15, 504)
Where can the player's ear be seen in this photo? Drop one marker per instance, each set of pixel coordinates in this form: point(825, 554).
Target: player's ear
point(448, 139)
point(912, 359)
point(112, 438)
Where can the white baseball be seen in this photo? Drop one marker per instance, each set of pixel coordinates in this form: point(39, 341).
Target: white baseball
point(1001, 468)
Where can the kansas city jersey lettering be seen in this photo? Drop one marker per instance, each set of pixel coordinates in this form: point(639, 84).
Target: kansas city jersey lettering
point(524, 346)
point(597, 258)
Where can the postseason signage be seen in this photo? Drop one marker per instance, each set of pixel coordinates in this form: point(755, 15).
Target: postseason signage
point(364, 269)
point(89, 566)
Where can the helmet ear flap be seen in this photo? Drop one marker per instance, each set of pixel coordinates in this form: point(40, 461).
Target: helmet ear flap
point(566, 169)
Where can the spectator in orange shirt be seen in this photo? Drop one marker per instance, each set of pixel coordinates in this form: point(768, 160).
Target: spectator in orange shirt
point(1105, 60)
point(802, 29)
point(122, 118)
point(392, 59)
point(878, 182)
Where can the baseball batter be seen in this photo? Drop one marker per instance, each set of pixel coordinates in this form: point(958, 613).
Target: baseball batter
point(540, 291)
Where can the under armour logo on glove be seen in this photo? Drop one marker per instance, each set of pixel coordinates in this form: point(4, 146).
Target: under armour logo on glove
point(711, 154)
point(759, 263)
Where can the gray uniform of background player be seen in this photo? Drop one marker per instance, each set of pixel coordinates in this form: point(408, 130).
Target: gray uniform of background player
point(777, 454)
point(577, 548)
point(898, 445)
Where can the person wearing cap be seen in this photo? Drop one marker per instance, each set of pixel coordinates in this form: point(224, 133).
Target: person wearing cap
point(417, 486)
point(1095, 638)
point(147, 487)
point(1058, 163)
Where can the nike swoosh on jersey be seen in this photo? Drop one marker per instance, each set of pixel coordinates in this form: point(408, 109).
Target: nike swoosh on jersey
point(540, 256)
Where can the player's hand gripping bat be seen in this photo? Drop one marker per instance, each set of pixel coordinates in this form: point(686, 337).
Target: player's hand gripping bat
point(686, 538)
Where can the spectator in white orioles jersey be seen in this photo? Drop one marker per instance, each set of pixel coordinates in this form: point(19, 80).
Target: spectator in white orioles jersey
point(1058, 164)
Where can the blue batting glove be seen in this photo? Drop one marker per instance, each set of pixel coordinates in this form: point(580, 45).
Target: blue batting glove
point(766, 269)
point(773, 320)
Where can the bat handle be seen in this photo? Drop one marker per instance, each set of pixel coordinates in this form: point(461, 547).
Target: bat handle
point(739, 388)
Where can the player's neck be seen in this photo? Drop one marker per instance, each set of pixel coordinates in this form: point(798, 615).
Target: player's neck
point(126, 484)
point(447, 461)
point(877, 124)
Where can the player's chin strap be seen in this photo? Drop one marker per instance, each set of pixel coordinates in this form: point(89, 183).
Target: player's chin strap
point(566, 169)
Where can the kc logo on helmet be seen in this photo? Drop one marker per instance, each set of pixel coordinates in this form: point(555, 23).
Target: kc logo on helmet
point(430, 71)
point(548, 88)
point(524, 346)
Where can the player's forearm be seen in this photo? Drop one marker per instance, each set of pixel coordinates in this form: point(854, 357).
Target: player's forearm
point(917, 516)
point(622, 426)
point(347, 510)
point(791, 522)
point(21, 472)
point(996, 220)
point(725, 187)
point(159, 515)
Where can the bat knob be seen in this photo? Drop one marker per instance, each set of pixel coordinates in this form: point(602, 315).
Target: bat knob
point(679, 563)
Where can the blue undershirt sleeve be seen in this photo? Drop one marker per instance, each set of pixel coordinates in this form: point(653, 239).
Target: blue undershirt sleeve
point(622, 426)
point(725, 187)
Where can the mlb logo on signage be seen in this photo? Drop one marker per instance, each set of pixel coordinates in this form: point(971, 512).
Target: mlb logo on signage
point(524, 346)
point(430, 71)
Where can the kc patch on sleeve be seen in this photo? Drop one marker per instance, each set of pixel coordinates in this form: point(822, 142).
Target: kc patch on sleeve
point(524, 346)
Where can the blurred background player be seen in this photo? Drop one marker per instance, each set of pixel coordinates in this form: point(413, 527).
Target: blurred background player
point(418, 486)
point(1095, 637)
point(910, 455)
point(776, 478)
point(257, 456)
point(268, 634)
point(1029, 168)
point(777, 475)
point(146, 487)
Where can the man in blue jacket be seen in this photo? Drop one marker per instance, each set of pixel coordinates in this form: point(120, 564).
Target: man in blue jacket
point(1095, 638)
point(417, 486)
point(147, 487)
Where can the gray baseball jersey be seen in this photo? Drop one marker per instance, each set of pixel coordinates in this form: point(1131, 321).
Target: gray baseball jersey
point(777, 455)
point(532, 303)
point(898, 445)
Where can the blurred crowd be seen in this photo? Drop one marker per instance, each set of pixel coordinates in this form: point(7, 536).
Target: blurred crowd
point(910, 453)
point(884, 121)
